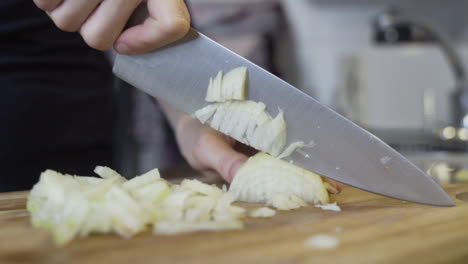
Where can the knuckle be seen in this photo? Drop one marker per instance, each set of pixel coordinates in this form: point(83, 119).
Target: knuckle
point(65, 23)
point(221, 163)
point(176, 27)
point(203, 141)
point(96, 40)
point(46, 5)
point(196, 157)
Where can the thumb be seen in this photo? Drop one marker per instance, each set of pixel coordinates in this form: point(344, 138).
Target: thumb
point(215, 152)
point(168, 21)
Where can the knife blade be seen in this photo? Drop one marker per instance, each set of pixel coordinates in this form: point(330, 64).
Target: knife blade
point(341, 150)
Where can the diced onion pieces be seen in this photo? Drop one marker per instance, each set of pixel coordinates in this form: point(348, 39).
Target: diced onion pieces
point(195, 206)
point(247, 122)
point(71, 205)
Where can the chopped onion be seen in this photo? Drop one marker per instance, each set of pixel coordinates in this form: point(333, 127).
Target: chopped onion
point(266, 179)
point(72, 205)
point(330, 207)
point(262, 212)
point(291, 148)
point(322, 242)
point(230, 86)
point(247, 122)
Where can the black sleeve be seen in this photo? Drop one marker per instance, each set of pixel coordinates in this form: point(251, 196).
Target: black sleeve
point(56, 104)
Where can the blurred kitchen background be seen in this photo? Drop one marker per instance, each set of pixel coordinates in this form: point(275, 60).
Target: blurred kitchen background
point(396, 67)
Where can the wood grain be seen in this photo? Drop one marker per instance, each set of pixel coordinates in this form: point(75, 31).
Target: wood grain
point(371, 229)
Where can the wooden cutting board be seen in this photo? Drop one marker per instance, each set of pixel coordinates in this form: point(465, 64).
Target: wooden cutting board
point(370, 229)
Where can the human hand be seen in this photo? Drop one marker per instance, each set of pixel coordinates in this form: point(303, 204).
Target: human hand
point(102, 23)
point(207, 149)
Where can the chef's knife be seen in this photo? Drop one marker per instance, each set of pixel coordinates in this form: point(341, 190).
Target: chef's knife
point(339, 149)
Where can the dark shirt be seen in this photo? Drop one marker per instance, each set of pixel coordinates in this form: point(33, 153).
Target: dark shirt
point(56, 104)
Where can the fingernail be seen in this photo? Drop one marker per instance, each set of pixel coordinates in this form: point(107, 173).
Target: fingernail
point(122, 48)
point(331, 188)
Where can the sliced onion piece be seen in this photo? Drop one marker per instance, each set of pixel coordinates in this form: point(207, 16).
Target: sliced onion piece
point(214, 91)
point(266, 179)
point(108, 173)
point(247, 122)
point(262, 212)
point(330, 207)
point(142, 180)
point(233, 85)
point(230, 86)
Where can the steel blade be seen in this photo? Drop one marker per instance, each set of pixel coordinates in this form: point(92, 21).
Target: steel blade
point(339, 149)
